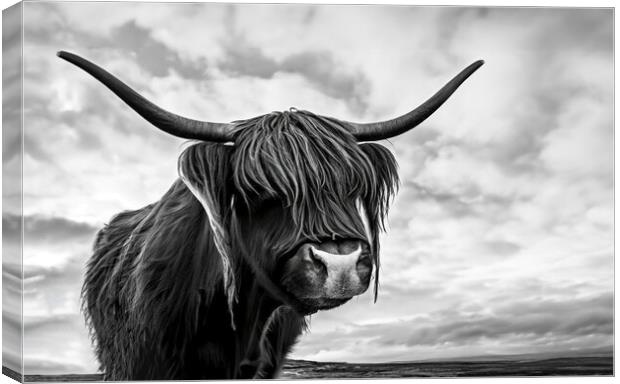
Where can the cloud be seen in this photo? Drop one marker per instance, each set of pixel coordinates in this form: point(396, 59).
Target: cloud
point(12, 99)
point(244, 59)
point(55, 229)
point(502, 247)
point(34, 323)
point(41, 229)
point(11, 118)
point(590, 32)
point(11, 327)
point(152, 55)
point(322, 70)
point(11, 227)
point(535, 319)
point(55, 254)
point(319, 68)
point(58, 29)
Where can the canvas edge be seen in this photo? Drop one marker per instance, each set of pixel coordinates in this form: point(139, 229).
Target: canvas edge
point(12, 192)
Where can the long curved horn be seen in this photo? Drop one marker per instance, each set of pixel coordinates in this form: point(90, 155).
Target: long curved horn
point(166, 121)
point(390, 128)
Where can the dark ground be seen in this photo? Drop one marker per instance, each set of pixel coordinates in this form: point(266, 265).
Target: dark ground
point(586, 366)
point(300, 369)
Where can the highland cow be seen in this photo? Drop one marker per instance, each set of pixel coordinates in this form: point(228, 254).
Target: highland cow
point(272, 219)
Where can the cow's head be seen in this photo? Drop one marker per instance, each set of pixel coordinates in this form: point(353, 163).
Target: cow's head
point(299, 197)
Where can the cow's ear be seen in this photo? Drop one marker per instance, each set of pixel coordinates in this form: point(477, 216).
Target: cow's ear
point(205, 169)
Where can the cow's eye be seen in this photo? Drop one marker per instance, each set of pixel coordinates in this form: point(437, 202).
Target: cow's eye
point(263, 204)
point(270, 202)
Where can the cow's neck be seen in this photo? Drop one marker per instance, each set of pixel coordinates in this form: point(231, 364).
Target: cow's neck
point(253, 314)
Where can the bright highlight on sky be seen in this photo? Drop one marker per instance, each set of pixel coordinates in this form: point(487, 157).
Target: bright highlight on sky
point(500, 240)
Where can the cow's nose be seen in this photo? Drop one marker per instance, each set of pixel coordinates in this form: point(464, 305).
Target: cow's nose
point(346, 274)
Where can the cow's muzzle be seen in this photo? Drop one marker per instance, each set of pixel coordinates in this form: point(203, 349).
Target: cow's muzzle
point(326, 274)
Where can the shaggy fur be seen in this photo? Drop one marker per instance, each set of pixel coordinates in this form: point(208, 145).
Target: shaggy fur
point(184, 288)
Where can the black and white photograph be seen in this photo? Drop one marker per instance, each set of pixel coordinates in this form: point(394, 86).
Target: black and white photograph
point(225, 191)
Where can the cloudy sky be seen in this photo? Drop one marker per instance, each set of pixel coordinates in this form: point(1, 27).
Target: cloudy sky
point(500, 240)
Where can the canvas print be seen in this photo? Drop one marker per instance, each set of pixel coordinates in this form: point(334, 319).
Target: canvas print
point(200, 191)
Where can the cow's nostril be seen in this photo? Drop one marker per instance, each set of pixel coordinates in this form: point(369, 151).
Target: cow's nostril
point(363, 265)
point(364, 259)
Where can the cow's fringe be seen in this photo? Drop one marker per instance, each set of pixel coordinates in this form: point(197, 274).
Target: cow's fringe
point(315, 167)
point(312, 164)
